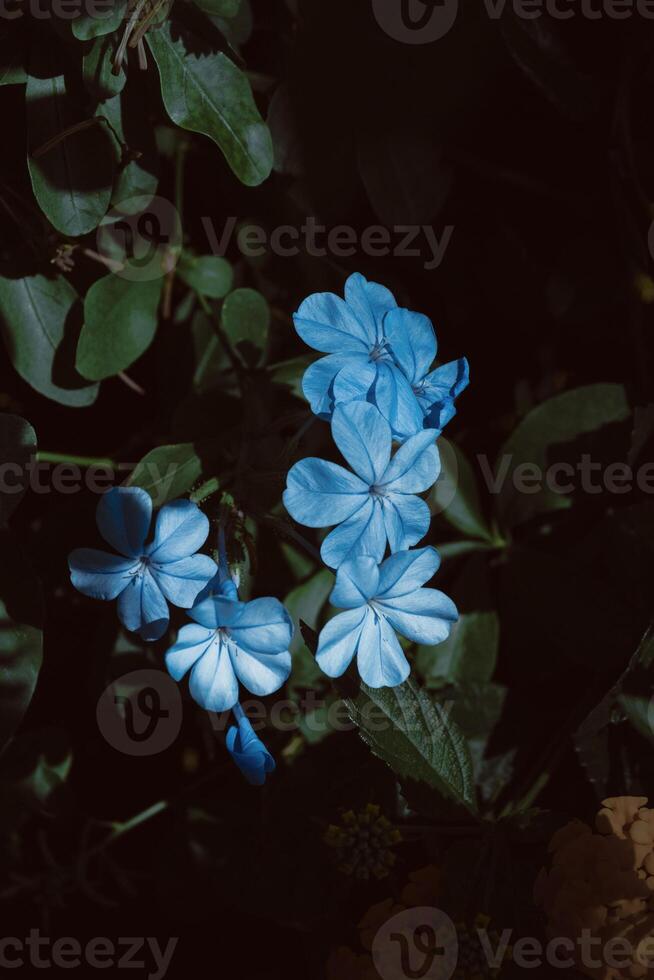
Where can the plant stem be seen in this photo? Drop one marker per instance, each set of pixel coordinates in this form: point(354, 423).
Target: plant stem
point(48, 457)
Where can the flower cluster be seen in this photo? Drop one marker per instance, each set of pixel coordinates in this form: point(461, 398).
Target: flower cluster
point(603, 883)
point(363, 843)
point(378, 353)
point(377, 388)
point(228, 642)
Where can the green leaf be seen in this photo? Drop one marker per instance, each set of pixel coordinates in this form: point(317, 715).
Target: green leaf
point(416, 739)
point(39, 328)
point(289, 373)
point(12, 56)
point(99, 19)
point(636, 688)
point(456, 495)
point(120, 321)
point(245, 318)
point(33, 772)
point(21, 638)
point(219, 8)
point(208, 94)
point(137, 178)
point(73, 177)
point(17, 449)
point(550, 433)
point(208, 275)
point(469, 655)
point(167, 472)
point(306, 603)
point(211, 360)
point(97, 70)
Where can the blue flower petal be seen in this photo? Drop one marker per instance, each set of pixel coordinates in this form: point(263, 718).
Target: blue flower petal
point(263, 626)
point(217, 611)
point(395, 399)
point(192, 643)
point(181, 529)
point(364, 439)
point(412, 341)
point(354, 381)
point(357, 581)
point(380, 658)
point(403, 573)
point(142, 608)
point(370, 302)
point(406, 520)
point(437, 391)
point(249, 753)
point(100, 575)
point(319, 378)
point(440, 414)
point(326, 323)
point(260, 673)
point(338, 641)
point(181, 581)
point(123, 517)
point(320, 493)
point(362, 534)
point(416, 465)
point(213, 683)
point(424, 616)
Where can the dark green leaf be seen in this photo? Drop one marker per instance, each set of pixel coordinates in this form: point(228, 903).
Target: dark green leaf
point(167, 472)
point(97, 69)
point(209, 94)
point(120, 321)
point(306, 603)
point(469, 654)
point(137, 178)
point(21, 639)
point(208, 275)
point(416, 739)
point(219, 8)
point(456, 494)
point(290, 373)
point(551, 429)
point(99, 19)
point(39, 328)
point(72, 175)
point(245, 319)
point(17, 449)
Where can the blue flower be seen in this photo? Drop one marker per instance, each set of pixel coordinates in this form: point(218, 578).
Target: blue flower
point(232, 641)
point(143, 577)
point(412, 340)
point(380, 600)
point(360, 364)
point(377, 352)
point(248, 751)
point(374, 505)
